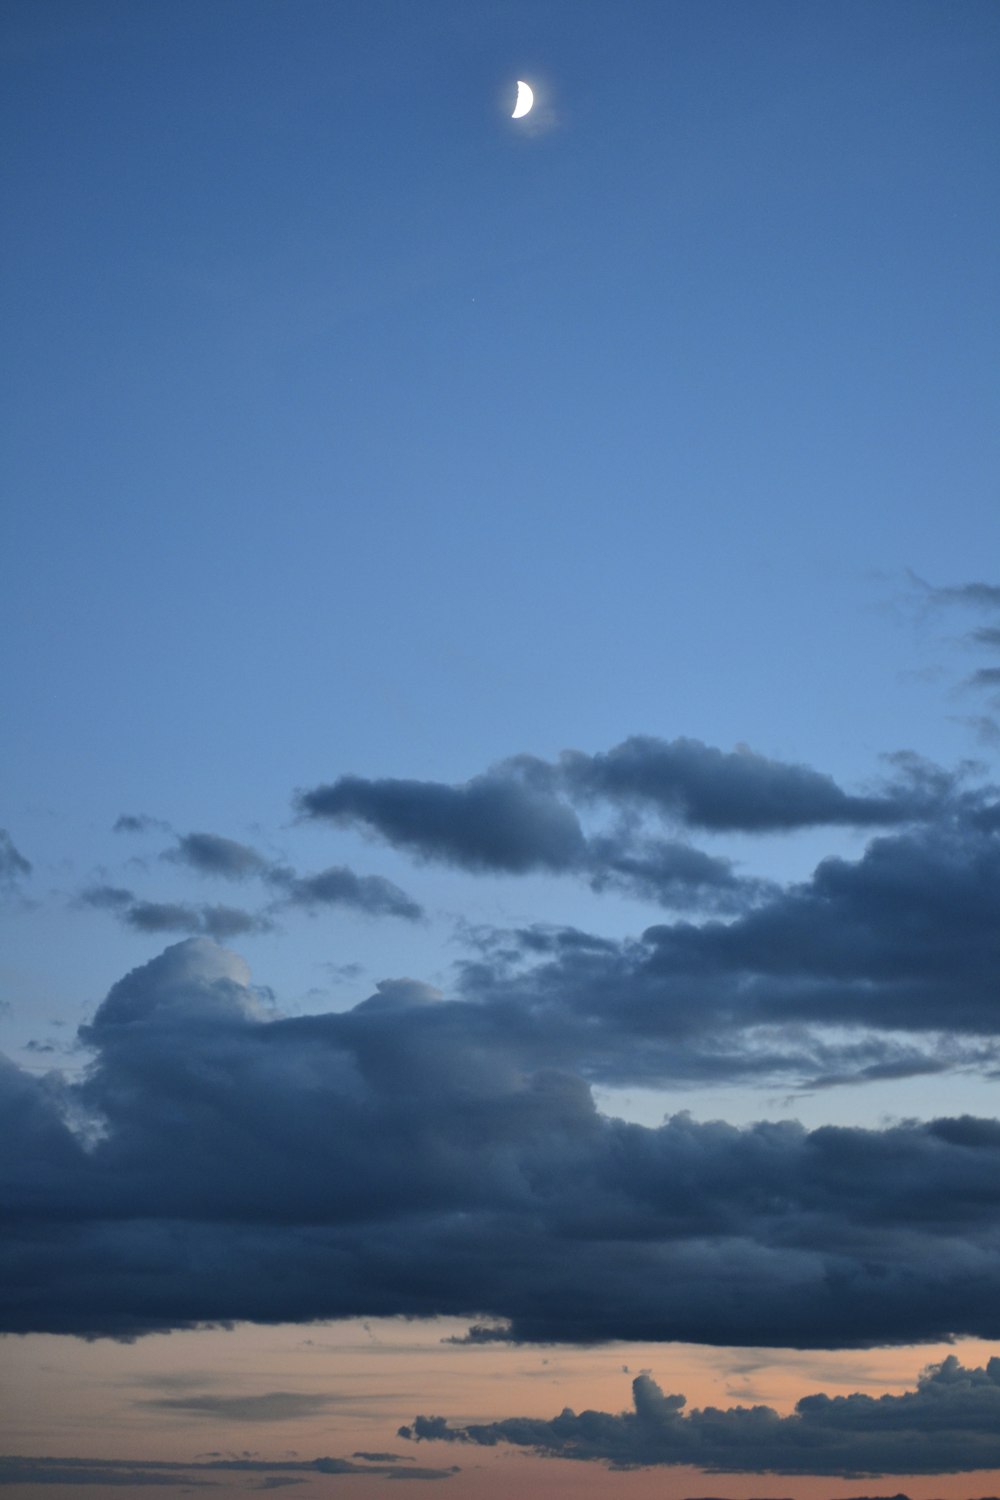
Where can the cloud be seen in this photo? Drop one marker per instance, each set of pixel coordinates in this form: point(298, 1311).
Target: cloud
point(976, 595)
point(984, 597)
point(494, 822)
point(673, 874)
point(699, 786)
point(524, 815)
point(220, 922)
point(420, 1155)
point(210, 854)
point(949, 1424)
point(138, 823)
point(901, 945)
point(517, 817)
point(272, 1406)
point(113, 1472)
point(217, 921)
point(13, 865)
point(339, 886)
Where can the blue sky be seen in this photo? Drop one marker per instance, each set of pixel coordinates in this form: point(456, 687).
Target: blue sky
point(354, 429)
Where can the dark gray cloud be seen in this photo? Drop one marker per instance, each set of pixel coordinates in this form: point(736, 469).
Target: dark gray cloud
point(518, 816)
point(700, 786)
point(672, 874)
point(523, 815)
point(220, 922)
point(339, 886)
point(13, 865)
point(210, 854)
point(493, 822)
point(903, 940)
point(949, 1424)
point(418, 1156)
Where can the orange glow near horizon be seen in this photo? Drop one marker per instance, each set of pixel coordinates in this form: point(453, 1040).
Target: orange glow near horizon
point(66, 1397)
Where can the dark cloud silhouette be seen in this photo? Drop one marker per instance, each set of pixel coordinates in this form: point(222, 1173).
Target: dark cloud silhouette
point(339, 886)
point(518, 816)
point(905, 939)
point(672, 874)
point(210, 854)
point(419, 1155)
point(702, 787)
point(13, 865)
point(494, 822)
point(522, 816)
point(220, 922)
point(949, 1424)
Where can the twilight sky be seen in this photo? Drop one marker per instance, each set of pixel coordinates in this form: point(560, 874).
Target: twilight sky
point(500, 853)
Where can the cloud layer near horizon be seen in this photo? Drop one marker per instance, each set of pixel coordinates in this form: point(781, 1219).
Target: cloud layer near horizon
point(949, 1424)
point(422, 1156)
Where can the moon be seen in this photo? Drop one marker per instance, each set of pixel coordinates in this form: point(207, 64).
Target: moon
point(525, 99)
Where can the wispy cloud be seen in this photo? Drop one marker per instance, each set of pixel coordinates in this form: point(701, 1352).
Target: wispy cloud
point(13, 865)
point(270, 1406)
point(201, 1474)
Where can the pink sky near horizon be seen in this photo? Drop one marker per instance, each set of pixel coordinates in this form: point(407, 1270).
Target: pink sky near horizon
point(65, 1397)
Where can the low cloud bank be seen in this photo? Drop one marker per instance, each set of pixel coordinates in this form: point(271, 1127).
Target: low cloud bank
point(949, 1424)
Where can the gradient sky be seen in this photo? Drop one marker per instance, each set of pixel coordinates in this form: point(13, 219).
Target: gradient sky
point(501, 838)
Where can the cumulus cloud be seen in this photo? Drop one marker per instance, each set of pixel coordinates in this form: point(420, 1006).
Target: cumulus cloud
point(421, 1155)
point(949, 1424)
point(903, 941)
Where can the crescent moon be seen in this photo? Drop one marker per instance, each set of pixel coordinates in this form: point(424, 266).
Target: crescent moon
point(525, 99)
